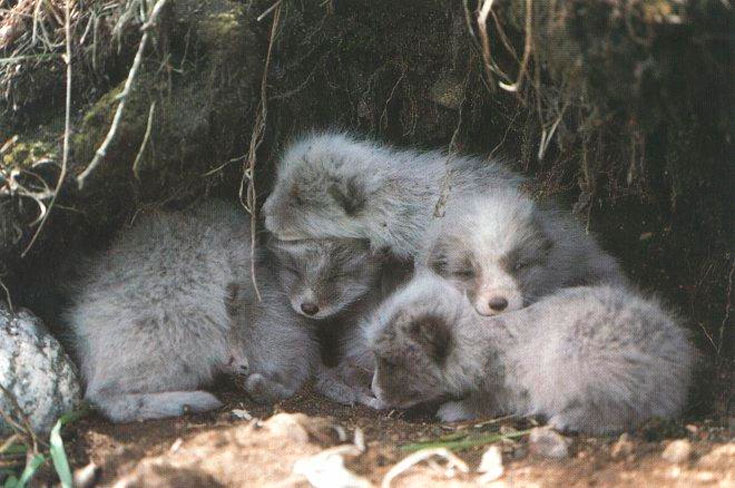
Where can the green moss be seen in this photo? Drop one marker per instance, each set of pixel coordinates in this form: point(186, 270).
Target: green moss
point(24, 154)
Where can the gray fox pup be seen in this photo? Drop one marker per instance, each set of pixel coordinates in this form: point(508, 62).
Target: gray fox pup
point(506, 252)
point(336, 282)
point(590, 359)
point(152, 318)
point(331, 185)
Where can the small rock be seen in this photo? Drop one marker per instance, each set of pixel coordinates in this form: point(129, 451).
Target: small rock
point(35, 370)
point(548, 443)
point(622, 448)
point(288, 425)
point(722, 455)
point(88, 476)
point(241, 414)
point(678, 451)
point(327, 470)
point(491, 465)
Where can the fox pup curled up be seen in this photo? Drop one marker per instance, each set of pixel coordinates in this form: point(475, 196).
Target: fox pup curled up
point(169, 305)
point(335, 283)
point(591, 359)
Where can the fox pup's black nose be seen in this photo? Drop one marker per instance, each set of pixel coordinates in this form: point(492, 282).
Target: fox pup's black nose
point(309, 308)
point(496, 303)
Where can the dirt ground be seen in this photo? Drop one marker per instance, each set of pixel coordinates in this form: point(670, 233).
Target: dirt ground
point(227, 448)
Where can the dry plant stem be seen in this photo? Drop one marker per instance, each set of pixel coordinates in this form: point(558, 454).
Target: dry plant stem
point(67, 126)
point(728, 307)
point(101, 152)
point(446, 187)
point(526, 50)
point(256, 139)
point(268, 11)
point(424, 455)
point(9, 442)
point(144, 144)
point(24, 430)
point(7, 295)
point(484, 11)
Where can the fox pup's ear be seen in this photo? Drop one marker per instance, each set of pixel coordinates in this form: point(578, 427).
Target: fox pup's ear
point(545, 243)
point(433, 334)
point(438, 259)
point(350, 194)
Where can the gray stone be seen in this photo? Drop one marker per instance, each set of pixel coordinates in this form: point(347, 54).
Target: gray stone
point(35, 370)
point(548, 443)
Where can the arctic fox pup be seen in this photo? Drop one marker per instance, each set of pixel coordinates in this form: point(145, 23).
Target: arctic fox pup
point(506, 252)
point(590, 359)
point(331, 185)
point(336, 282)
point(152, 318)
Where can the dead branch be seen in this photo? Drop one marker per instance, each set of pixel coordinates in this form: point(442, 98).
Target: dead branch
point(526, 50)
point(249, 200)
point(67, 126)
point(144, 144)
point(101, 152)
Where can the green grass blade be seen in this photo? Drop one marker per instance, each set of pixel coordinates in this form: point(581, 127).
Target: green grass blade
point(58, 455)
point(30, 470)
point(11, 482)
point(464, 443)
point(74, 415)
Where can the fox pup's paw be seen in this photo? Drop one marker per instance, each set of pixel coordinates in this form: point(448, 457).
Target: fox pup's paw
point(265, 390)
point(455, 412)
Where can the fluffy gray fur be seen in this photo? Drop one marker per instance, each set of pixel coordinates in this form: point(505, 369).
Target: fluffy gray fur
point(336, 282)
point(506, 252)
point(331, 185)
point(591, 359)
point(169, 305)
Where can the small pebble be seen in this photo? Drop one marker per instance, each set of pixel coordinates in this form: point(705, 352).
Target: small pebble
point(491, 465)
point(678, 451)
point(288, 425)
point(241, 414)
point(622, 448)
point(548, 443)
point(88, 476)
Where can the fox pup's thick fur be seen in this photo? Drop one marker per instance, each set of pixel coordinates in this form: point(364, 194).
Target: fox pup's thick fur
point(590, 359)
point(336, 282)
point(506, 252)
point(169, 305)
point(331, 185)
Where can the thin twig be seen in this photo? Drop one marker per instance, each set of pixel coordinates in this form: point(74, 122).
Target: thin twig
point(144, 144)
point(384, 114)
point(221, 166)
point(67, 126)
point(728, 306)
point(7, 295)
point(526, 50)
point(268, 11)
point(453, 462)
point(123, 96)
point(446, 185)
point(482, 27)
point(25, 429)
point(9, 442)
point(249, 200)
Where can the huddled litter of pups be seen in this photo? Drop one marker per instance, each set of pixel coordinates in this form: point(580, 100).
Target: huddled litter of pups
point(441, 280)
